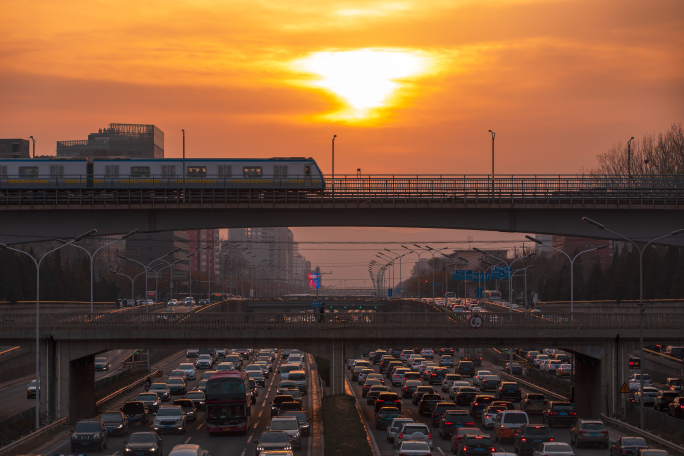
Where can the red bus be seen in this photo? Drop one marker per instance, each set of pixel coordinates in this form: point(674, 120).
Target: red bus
point(228, 402)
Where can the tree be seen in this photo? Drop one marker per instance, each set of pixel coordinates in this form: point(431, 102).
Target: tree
point(653, 154)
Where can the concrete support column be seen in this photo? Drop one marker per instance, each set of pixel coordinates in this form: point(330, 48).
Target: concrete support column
point(589, 389)
point(76, 385)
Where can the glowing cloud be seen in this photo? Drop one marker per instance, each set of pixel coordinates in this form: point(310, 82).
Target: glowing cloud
point(365, 79)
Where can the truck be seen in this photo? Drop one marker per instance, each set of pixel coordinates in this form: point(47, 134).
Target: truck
point(471, 354)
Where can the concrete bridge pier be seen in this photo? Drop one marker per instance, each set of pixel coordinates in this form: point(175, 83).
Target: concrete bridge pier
point(75, 383)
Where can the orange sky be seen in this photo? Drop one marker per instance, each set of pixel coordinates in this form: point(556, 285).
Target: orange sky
point(558, 81)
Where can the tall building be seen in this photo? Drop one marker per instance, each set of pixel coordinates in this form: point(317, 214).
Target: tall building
point(119, 140)
point(14, 148)
point(205, 243)
point(543, 250)
point(146, 247)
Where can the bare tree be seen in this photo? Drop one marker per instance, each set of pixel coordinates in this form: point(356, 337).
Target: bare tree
point(653, 154)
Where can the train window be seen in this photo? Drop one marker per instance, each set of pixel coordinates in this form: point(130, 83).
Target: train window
point(252, 171)
point(197, 171)
point(280, 171)
point(140, 171)
point(225, 171)
point(28, 171)
point(111, 170)
point(307, 170)
point(56, 171)
point(168, 170)
point(3, 171)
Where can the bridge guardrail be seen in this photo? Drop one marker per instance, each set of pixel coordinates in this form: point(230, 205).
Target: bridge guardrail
point(678, 449)
point(18, 443)
point(123, 390)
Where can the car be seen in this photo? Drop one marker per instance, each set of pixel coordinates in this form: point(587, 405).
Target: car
point(557, 412)
point(413, 431)
point(489, 383)
point(385, 416)
point(362, 375)
point(89, 434)
point(508, 391)
point(449, 380)
point(136, 412)
point(294, 393)
point(446, 351)
point(530, 436)
point(455, 386)
point(31, 389)
point(553, 449)
point(189, 408)
point(539, 359)
point(419, 391)
point(508, 423)
point(188, 449)
point(479, 375)
point(387, 399)
point(197, 397)
point(189, 370)
point(410, 387)
point(533, 403)
point(564, 371)
point(188, 301)
point(170, 418)
point(479, 403)
point(649, 394)
point(673, 384)
point(151, 401)
point(451, 420)
point(285, 385)
point(589, 432)
point(437, 375)
point(290, 426)
point(173, 302)
point(176, 385)
point(651, 452)
point(465, 368)
point(627, 445)
point(427, 403)
point(115, 422)
point(413, 448)
point(440, 409)
point(464, 395)
point(144, 444)
point(663, 399)
point(446, 361)
point(302, 419)
point(192, 353)
point(395, 426)
point(374, 392)
point(475, 444)
point(457, 437)
point(635, 381)
point(161, 390)
point(204, 362)
point(427, 353)
point(488, 415)
point(258, 377)
point(278, 400)
point(203, 302)
point(101, 364)
point(513, 368)
point(676, 408)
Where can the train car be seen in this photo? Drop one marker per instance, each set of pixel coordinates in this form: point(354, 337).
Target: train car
point(295, 173)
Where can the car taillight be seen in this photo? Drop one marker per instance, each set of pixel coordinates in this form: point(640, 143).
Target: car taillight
point(553, 413)
point(401, 434)
point(475, 404)
point(582, 432)
point(469, 424)
point(429, 435)
point(551, 440)
point(604, 432)
point(448, 423)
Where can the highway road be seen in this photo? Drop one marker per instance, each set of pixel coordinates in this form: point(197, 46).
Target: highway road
point(443, 446)
point(196, 431)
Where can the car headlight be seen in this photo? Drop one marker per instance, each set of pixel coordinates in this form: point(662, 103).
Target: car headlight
point(74, 437)
point(127, 450)
point(119, 426)
point(153, 449)
point(260, 448)
point(96, 437)
point(296, 435)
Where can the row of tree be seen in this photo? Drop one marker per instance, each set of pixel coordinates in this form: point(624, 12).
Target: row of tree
point(663, 277)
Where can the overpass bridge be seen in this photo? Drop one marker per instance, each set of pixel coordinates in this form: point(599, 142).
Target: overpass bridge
point(643, 207)
point(70, 341)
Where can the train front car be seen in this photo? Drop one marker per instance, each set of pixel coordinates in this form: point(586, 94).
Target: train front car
point(43, 173)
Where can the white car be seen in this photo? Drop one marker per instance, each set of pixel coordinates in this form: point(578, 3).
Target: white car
point(477, 378)
point(169, 418)
point(413, 448)
point(189, 301)
point(173, 302)
point(634, 382)
point(413, 431)
point(540, 359)
point(455, 386)
point(393, 429)
point(554, 449)
point(189, 370)
point(427, 353)
point(649, 395)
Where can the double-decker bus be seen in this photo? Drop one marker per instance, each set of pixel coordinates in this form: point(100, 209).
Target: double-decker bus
point(228, 402)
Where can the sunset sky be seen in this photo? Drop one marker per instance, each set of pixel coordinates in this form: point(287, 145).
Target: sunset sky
point(407, 86)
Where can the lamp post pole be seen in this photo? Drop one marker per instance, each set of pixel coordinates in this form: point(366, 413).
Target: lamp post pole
point(640, 249)
point(92, 256)
point(493, 135)
point(432, 252)
point(419, 272)
point(333, 164)
point(37, 264)
point(34, 146)
point(132, 279)
point(629, 161)
point(183, 170)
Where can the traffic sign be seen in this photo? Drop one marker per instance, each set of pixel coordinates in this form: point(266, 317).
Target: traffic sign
point(316, 303)
point(476, 321)
point(624, 389)
point(159, 374)
point(479, 292)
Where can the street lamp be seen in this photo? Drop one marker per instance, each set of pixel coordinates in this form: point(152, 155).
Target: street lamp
point(432, 252)
point(572, 264)
point(38, 263)
point(419, 254)
point(333, 163)
point(641, 297)
point(148, 268)
point(132, 279)
point(34, 146)
point(493, 134)
point(629, 160)
point(92, 256)
point(525, 286)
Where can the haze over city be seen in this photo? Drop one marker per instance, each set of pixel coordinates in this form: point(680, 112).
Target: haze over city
point(408, 87)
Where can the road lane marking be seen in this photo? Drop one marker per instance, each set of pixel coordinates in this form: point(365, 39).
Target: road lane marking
point(187, 440)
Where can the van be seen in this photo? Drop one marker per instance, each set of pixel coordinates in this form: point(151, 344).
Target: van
point(508, 423)
point(285, 370)
point(299, 377)
point(673, 351)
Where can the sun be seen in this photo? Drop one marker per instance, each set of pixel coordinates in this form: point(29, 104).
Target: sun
point(364, 79)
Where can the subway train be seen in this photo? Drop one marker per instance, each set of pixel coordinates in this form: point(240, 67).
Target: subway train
point(294, 173)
